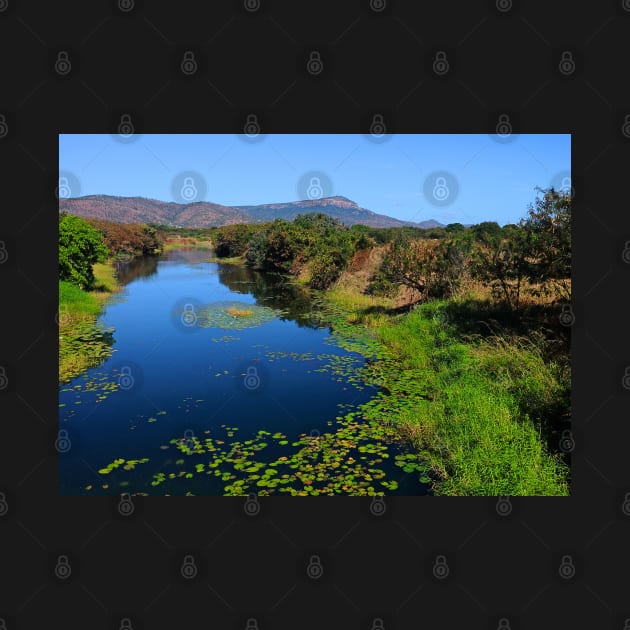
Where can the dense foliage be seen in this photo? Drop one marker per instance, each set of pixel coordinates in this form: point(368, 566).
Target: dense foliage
point(128, 239)
point(534, 255)
point(80, 246)
point(315, 240)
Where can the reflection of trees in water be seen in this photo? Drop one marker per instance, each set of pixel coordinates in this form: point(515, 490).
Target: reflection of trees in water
point(270, 289)
point(139, 267)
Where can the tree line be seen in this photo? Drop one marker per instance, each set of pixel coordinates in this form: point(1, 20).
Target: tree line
point(532, 255)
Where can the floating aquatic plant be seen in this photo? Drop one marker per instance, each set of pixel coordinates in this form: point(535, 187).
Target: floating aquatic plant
point(234, 315)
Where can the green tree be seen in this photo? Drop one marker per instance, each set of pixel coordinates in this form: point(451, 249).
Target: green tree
point(455, 227)
point(80, 246)
point(549, 225)
point(504, 263)
point(486, 231)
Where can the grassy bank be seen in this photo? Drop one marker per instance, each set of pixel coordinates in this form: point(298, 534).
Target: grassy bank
point(477, 408)
point(82, 343)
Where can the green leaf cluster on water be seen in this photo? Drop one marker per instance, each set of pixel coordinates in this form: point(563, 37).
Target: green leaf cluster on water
point(218, 315)
point(345, 460)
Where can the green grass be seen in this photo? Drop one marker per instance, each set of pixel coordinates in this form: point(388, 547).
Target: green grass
point(474, 408)
point(228, 260)
point(82, 343)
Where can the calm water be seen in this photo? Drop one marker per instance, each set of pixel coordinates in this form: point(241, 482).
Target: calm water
point(183, 369)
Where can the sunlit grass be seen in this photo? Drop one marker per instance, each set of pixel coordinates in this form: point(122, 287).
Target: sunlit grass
point(473, 407)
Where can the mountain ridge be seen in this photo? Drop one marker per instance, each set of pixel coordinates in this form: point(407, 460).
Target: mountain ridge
point(207, 214)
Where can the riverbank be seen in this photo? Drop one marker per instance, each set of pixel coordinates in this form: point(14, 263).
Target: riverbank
point(476, 408)
point(174, 242)
point(82, 343)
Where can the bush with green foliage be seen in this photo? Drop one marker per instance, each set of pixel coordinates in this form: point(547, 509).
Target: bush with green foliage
point(433, 267)
point(80, 246)
point(538, 251)
point(233, 240)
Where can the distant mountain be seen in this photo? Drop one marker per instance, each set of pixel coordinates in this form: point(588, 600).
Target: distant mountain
point(207, 214)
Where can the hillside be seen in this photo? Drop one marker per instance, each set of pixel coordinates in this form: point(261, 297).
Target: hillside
point(206, 214)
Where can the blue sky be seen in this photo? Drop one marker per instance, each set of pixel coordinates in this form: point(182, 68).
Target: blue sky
point(450, 178)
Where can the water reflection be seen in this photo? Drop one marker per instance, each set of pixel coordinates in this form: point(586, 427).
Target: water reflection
point(141, 267)
point(270, 289)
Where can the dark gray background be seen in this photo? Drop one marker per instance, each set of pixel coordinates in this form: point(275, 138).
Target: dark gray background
point(502, 569)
